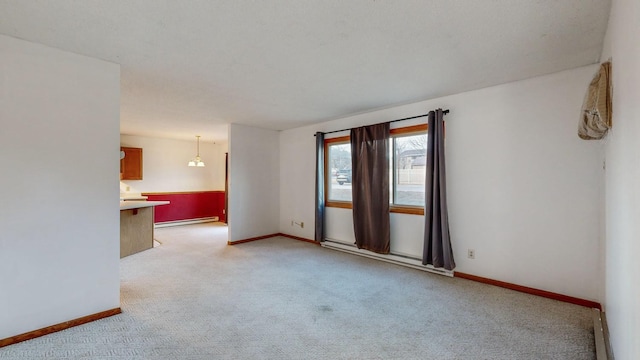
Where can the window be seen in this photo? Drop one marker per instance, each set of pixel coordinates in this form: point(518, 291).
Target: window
point(409, 169)
point(338, 179)
point(407, 159)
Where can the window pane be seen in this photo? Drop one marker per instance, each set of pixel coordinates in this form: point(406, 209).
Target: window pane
point(409, 169)
point(340, 172)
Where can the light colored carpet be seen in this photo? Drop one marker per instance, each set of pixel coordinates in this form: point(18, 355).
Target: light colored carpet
point(194, 297)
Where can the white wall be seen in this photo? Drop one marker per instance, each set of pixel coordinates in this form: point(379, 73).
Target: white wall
point(254, 176)
point(623, 182)
point(165, 165)
point(59, 247)
point(523, 189)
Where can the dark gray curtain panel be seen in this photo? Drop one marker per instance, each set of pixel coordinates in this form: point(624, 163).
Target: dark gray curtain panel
point(437, 243)
point(319, 187)
point(370, 187)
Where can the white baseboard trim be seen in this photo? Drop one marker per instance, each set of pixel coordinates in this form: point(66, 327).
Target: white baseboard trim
point(394, 259)
point(185, 222)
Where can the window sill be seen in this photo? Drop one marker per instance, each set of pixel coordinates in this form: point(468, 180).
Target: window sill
point(411, 210)
point(339, 204)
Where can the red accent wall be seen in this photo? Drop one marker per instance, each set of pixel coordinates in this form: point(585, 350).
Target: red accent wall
point(188, 205)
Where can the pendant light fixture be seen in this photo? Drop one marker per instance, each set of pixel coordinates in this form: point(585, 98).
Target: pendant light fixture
point(197, 161)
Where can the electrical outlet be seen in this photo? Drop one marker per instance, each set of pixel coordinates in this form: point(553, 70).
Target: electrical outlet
point(471, 254)
point(301, 224)
point(291, 222)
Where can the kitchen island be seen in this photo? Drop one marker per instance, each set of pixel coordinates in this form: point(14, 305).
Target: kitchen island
point(136, 226)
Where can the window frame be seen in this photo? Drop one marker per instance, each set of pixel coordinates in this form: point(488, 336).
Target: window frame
point(394, 208)
point(405, 131)
point(327, 175)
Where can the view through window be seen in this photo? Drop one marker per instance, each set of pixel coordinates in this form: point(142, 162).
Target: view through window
point(409, 169)
point(340, 172)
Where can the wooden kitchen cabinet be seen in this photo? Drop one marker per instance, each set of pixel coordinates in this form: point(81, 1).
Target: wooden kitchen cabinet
point(131, 164)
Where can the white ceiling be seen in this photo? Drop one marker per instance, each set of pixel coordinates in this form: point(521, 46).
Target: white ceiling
point(191, 67)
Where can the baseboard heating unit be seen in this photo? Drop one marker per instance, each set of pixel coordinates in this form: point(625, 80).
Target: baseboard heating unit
point(601, 337)
point(185, 222)
point(390, 258)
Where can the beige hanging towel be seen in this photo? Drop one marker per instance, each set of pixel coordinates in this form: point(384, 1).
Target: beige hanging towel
point(595, 118)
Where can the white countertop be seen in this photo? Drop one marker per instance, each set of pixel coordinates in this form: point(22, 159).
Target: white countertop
point(126, 205)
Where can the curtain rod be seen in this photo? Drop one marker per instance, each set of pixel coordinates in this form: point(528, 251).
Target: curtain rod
point(409, 118)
